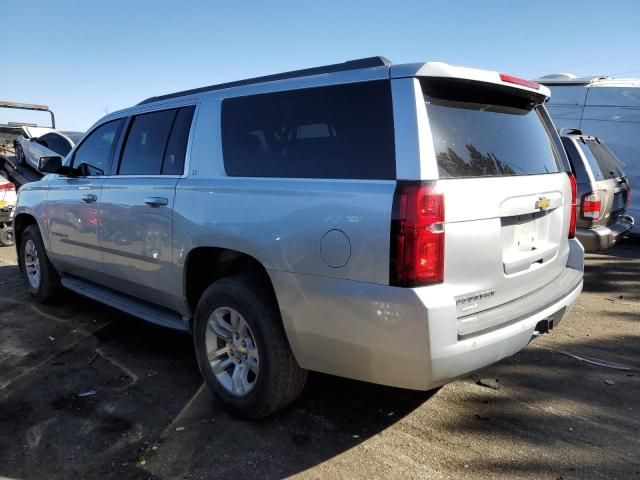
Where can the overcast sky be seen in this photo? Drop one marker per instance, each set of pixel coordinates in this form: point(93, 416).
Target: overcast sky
point(82, 58)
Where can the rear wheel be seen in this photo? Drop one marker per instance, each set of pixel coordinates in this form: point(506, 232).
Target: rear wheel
point(40, 276)
point(242, 350)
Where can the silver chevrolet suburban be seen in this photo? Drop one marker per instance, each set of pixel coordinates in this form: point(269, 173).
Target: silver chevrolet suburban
point(398, 224)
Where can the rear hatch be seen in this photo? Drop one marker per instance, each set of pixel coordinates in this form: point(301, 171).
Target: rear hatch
point(507, 194)
point(612, 189)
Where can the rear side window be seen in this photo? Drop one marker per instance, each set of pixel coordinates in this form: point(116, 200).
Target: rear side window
point(604, 164)
point(484, 130)
point(156, 143)
point(173, 161)
point(343, 131)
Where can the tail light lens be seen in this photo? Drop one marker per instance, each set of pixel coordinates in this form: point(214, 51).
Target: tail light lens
point(590, 206)
point(574, 201)
point(417, 235)
point(7, 186)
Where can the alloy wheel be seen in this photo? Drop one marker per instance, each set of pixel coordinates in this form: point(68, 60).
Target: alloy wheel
point(32, 264)
point(232, 351)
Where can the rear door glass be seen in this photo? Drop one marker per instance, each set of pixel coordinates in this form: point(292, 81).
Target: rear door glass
point(603, 163)
point(485, 130)
point(146, 142)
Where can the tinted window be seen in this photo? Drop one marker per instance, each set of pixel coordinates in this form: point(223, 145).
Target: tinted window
point(146, 141)
point(74, 136)
point(173, 163)
point(484, 131)
point(342, 131)
point(43, 140)
point(603, 163)
point(98, 148)
point(57, 144)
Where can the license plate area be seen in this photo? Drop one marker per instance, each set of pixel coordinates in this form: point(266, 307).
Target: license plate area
point(527, 240)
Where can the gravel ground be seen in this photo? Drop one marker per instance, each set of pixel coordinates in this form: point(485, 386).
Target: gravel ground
point(147, 415)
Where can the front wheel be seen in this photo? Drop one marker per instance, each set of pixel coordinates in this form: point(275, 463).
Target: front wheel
point(242, 349)
point(39, 274)
point(20, 157)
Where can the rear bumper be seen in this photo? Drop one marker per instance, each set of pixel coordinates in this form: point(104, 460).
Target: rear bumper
point(409, 338)
point(600, 238)
point(474, 352)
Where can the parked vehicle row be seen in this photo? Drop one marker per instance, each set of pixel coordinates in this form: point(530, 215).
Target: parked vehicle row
point(607, 108)
point(398, 224)
point(604, 192)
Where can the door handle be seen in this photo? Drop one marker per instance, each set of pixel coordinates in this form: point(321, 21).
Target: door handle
point(89, 198)
point(156, 202)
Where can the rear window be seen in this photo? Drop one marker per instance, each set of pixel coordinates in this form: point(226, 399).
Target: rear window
point(604, 164)
point(341, 132)
point(485, 130)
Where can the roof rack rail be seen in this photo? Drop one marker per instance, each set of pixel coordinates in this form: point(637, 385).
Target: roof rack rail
point(358, 64)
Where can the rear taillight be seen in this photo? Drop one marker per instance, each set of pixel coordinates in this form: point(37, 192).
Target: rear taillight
point(7, 186)
point(628, 192)
point(417, 235)
point(519, 81)
point(574, 200)
point(590, 206)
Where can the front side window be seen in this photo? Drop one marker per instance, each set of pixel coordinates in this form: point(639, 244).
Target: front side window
point(481, 130)
point(98, 148)
point(343, 131)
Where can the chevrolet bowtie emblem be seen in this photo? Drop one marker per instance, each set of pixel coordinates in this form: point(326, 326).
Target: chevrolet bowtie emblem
point(543, 203)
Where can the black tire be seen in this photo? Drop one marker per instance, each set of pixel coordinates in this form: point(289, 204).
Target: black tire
point(20, 158)
point(49, 283)
point(6, 236)
point(280, 379)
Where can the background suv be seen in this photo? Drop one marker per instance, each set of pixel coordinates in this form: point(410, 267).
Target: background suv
point(604, 192)
point(398, 224)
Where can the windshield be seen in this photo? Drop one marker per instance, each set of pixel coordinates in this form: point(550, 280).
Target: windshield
point(483, 132)
point(603, 163)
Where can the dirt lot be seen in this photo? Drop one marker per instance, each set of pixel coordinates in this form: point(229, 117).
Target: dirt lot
point(553, 417)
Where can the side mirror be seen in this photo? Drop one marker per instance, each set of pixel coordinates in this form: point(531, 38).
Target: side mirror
point(50, 164)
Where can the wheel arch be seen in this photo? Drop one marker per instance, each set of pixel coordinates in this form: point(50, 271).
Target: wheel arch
point(20, 222)
point(205, 264)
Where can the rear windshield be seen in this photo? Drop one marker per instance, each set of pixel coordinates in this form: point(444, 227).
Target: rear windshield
point(74, 136)
point(604, 164)
point(485, 130)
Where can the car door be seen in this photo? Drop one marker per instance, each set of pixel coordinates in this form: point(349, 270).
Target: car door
point(72, 207)
point(136, 206)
